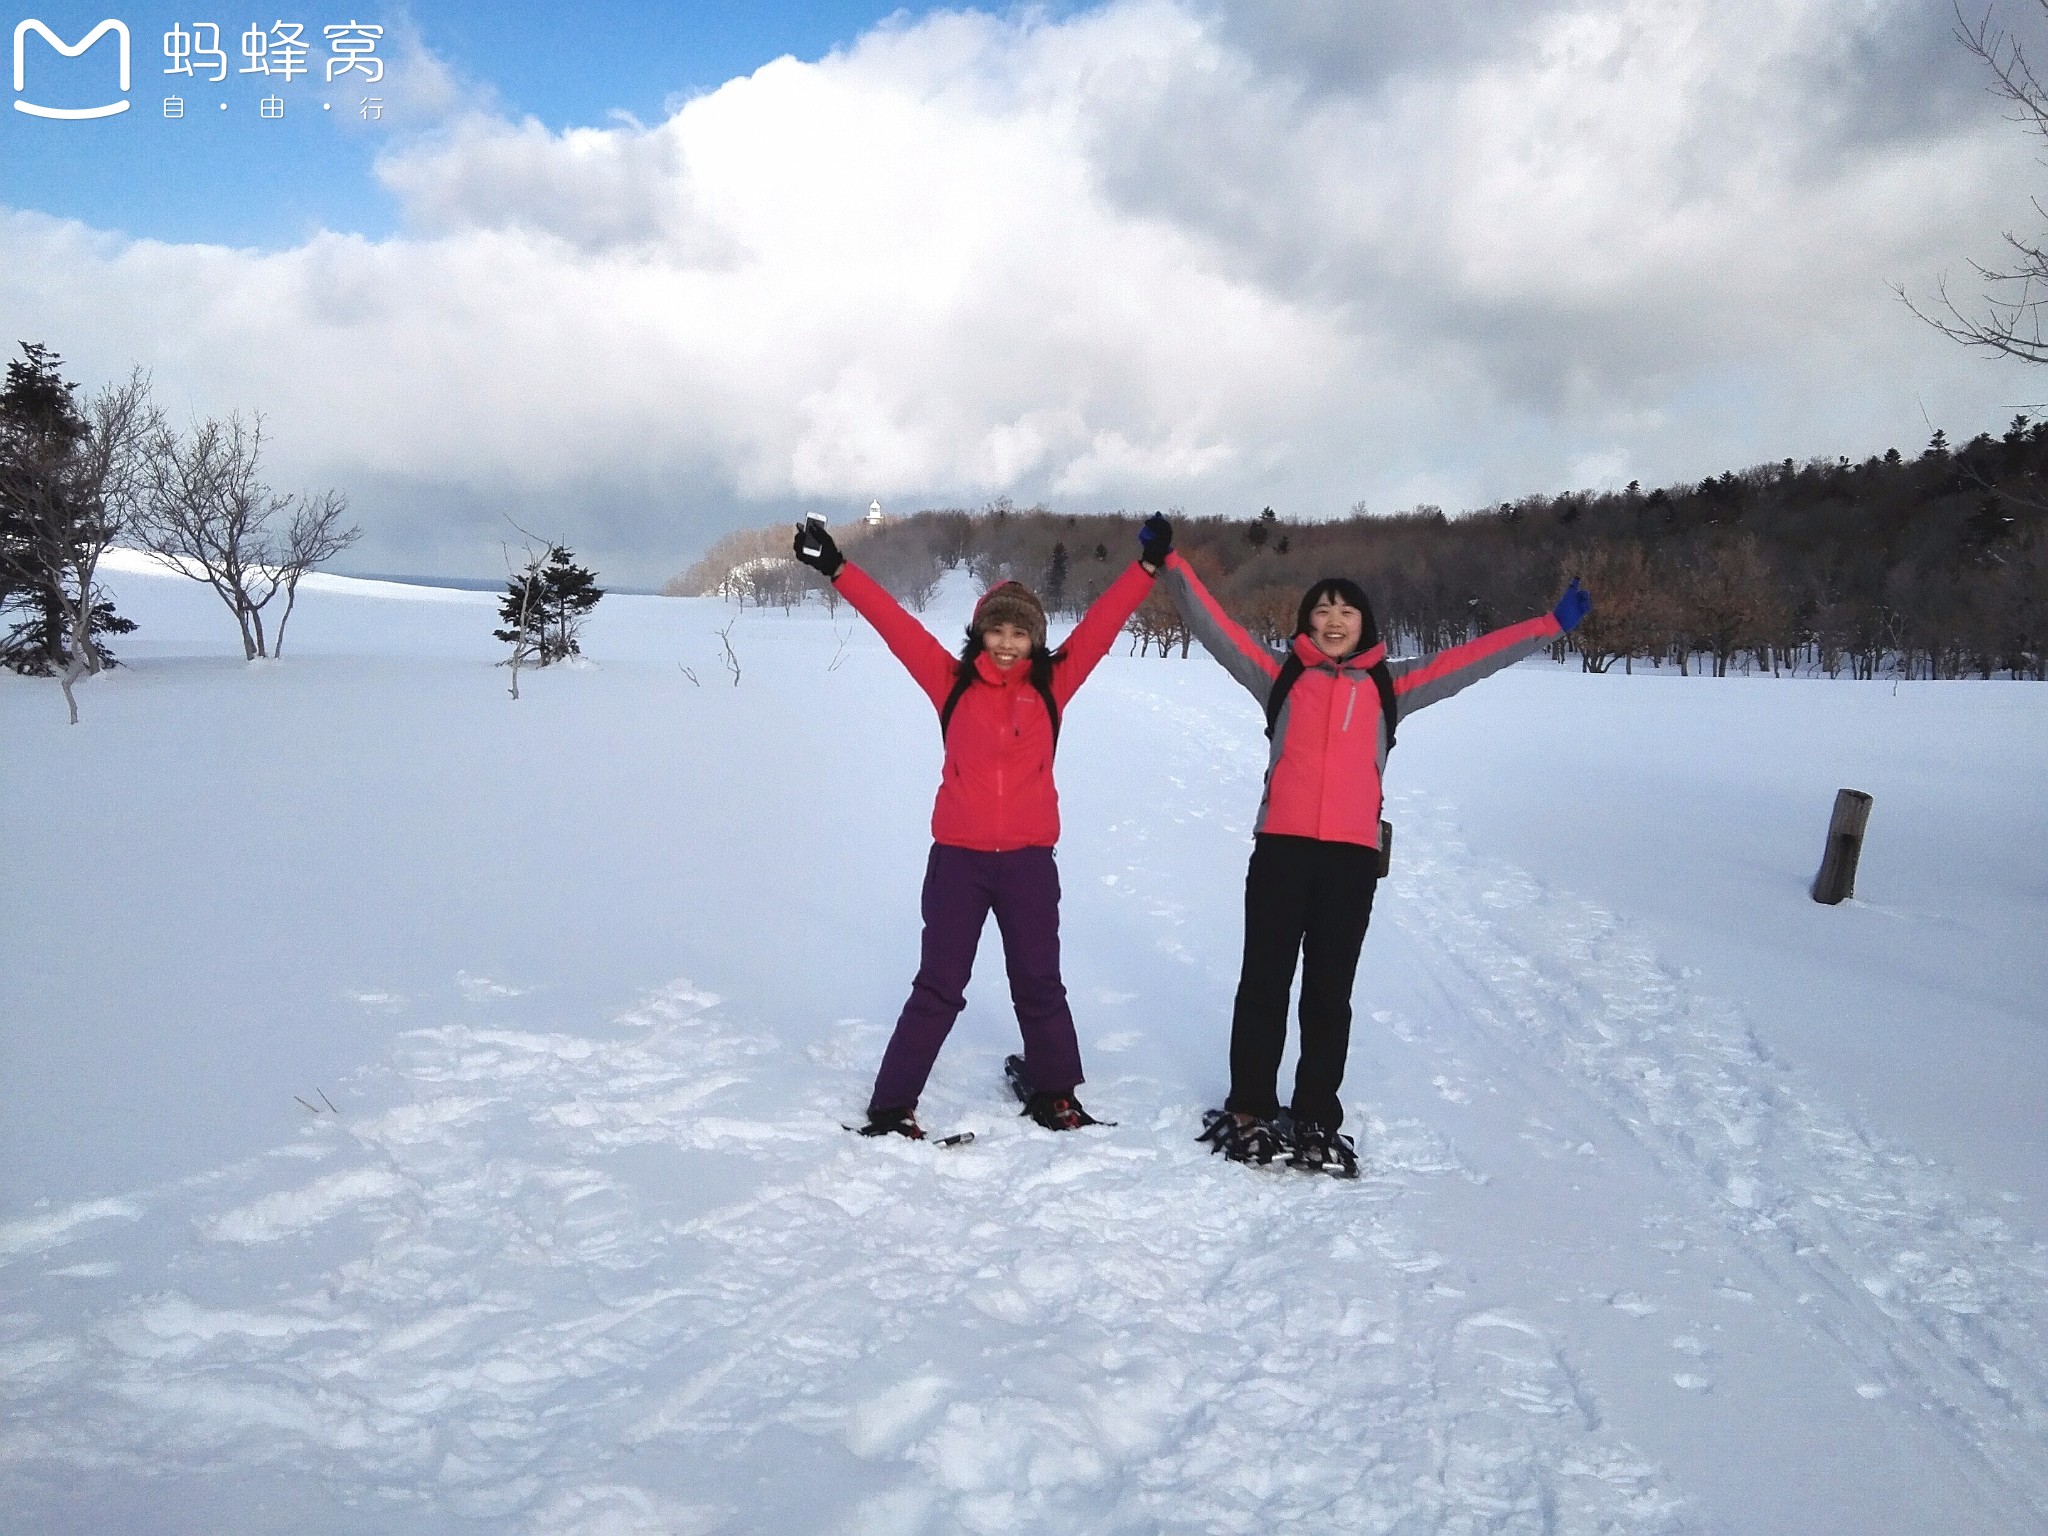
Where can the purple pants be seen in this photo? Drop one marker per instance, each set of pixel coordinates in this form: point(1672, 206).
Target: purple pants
point(961, 887)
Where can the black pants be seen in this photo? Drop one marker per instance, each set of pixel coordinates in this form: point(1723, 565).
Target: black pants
point(1305, 897)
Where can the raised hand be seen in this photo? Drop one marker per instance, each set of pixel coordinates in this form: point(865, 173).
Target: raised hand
point(1573, 607)
point(1155, 539)
point(814, 547)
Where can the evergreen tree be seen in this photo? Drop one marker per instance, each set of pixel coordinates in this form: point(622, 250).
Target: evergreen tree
point(49, 499)
point(544, 607)
point(1055, 593)
point(1988, 525)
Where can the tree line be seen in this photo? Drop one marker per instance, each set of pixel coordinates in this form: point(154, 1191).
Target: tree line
point(1934, 565)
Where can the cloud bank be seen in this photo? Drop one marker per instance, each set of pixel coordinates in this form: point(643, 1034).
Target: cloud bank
point(1158, 253)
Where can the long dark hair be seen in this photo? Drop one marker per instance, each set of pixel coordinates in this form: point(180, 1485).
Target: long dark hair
point(1344, 590)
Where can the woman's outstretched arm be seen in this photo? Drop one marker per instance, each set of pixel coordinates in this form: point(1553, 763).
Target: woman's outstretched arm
point(927, 661)
point(1423, 680)
point(1098, 629)
point(1243, 657)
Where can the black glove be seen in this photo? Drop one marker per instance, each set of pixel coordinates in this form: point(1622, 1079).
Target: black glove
point(814, 547)
point(1155, 539)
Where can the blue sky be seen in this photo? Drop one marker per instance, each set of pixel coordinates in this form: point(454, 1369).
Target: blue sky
point(618, 273)
point(234, 177)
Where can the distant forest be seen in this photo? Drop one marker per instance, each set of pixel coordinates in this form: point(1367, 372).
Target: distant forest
point(1934, 566)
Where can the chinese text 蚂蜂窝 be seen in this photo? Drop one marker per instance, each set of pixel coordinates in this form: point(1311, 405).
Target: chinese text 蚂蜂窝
point(279, 51)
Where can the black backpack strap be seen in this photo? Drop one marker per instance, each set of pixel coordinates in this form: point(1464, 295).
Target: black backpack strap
point(966, 680)
point(1290, 672)
point(1383, 679)
point(961, 683)
point(1052, 709)
point(1276, 697)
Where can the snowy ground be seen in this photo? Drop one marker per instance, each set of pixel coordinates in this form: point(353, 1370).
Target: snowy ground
point(421, 1109)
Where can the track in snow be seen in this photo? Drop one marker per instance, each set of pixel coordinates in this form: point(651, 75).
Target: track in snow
point(1104, 1329)
point(586, 1275)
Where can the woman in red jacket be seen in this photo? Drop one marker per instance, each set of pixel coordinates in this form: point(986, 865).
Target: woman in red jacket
point(1331, 697)
point(995, 821)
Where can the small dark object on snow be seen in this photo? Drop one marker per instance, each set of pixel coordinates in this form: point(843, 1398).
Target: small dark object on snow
point(1836, 881)
point(1054, 1111)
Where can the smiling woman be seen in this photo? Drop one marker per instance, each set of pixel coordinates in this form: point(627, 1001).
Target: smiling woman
point(994, 823)
point(1332, 698)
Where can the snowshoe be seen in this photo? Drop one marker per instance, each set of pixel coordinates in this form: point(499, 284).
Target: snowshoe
point(891, 1122)
point(1320, 1149)
point(1255, 1141)
point(1054, 1111)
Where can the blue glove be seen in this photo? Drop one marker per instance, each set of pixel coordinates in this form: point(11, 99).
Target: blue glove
point(1573, 607)
point(1155, 539)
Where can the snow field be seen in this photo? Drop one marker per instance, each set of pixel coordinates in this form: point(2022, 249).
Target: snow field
point(1017, 1332)
point(450, 1140)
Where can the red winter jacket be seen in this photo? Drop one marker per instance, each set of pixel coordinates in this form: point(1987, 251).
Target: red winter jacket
point(996, 792)
point(1330, 743)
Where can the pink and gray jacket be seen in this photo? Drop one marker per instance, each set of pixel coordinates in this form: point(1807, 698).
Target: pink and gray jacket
point(1330, 743)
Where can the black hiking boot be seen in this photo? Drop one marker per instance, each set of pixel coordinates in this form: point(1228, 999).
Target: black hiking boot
point(1058, 1111)
point(1054, 1111)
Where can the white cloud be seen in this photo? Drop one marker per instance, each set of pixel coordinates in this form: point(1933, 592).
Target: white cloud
point(1146, 255)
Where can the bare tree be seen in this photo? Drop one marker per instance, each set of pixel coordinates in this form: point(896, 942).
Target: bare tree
point(1616, 628)
point(207, 514)
point(314, 537)
point(2010, 318)
point(68, 494)
point(908, 567)
point(726, 570)
point(1729, 599)
point(1158, 621)
point(521, 607)
point(1637, 611)
point(732, 659)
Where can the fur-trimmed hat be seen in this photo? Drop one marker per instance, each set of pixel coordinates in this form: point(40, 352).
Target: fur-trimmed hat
point(1010, 602)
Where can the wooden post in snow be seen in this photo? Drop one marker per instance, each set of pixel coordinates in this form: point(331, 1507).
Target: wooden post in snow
point(1836, 881)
